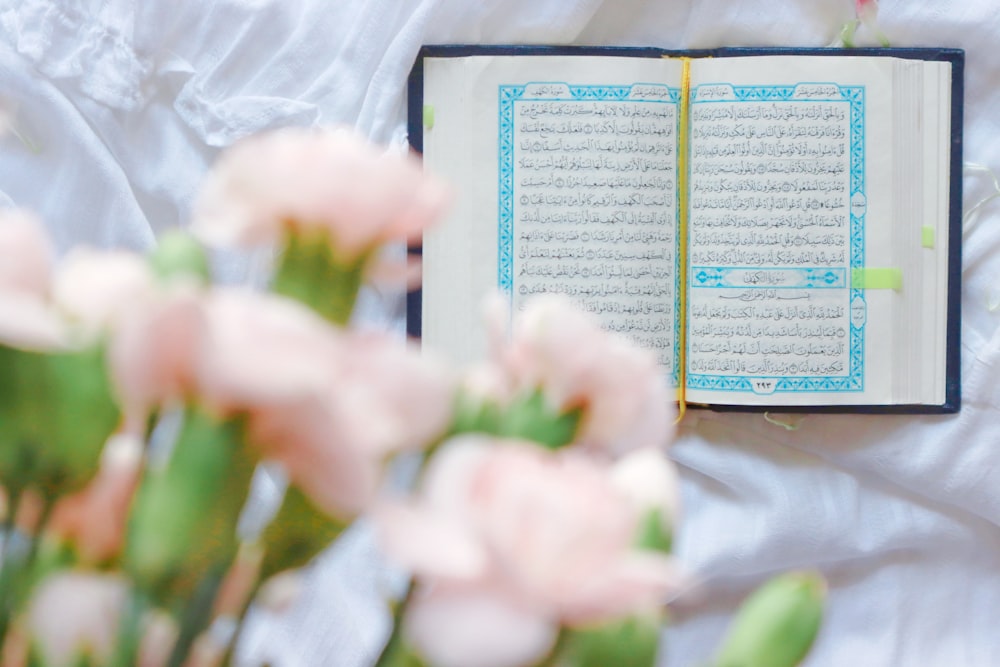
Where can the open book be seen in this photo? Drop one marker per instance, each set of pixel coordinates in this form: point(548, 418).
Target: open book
point(782, 226)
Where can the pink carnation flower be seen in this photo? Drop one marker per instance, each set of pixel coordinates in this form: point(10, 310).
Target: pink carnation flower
point(556, 347)
point(28, 256)
point(508, 542)
point(300, 179)
point(330, 406)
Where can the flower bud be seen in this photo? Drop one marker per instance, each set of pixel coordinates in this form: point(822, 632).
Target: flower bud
point(179, 254)
point(777, 624)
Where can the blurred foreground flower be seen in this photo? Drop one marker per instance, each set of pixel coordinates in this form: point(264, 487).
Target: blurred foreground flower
point(560, 370)
point(509, 542)
point(328, 198)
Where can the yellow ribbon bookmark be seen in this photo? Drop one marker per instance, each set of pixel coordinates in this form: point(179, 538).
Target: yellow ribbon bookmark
point(682, 226)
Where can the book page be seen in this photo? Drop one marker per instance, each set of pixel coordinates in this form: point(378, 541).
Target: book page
point(566, 174)
point(790, 254)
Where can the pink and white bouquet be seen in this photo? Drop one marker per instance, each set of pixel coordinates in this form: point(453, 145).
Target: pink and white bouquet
point(137, 399)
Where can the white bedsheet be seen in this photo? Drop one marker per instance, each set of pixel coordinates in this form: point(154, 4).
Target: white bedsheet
point(122, 104)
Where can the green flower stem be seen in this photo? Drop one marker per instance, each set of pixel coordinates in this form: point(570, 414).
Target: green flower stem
point(556, 656)
point(126, 651)
point(395, 652)
point(197, 615)
point(296, 534)
point(250, 556)
point(8, 564)
point(184, 515)
point(17, 574)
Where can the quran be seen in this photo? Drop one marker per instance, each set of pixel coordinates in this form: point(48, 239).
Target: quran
point(781, 226)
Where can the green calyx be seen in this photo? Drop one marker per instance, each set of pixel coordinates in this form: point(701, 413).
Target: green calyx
point(628, 642)
point(310, 273)
point(528, 417)
point(178, 254)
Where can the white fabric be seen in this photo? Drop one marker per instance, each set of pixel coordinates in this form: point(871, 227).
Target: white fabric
point(123, 104)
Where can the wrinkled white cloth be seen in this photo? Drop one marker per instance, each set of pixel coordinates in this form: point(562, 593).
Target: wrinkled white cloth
point(121, 105)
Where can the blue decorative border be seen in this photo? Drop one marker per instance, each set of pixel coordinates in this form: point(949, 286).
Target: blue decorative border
point(729, 277)
point(507, 96)
point(854, 380)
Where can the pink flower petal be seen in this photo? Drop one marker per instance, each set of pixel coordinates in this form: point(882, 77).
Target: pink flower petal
point(619, 388)
point(638, 583)
point(263, 350)
point(429, 544)
point(329, 179)
point(405, 397)
point(151, 354)
point(27, 254)
point(454, 626)
point(28, 323)
point(556, 532)
point(94, 287)
point(316, 447)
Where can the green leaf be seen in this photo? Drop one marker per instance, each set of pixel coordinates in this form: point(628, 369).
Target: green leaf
point(777, 624)
point(310, 273)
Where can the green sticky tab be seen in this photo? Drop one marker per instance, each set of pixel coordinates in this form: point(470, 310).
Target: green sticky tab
point(927, 236)
point(877, 278)
point(428, 117)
